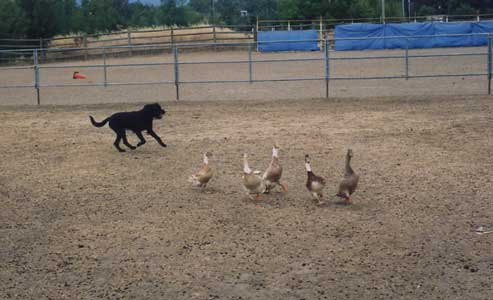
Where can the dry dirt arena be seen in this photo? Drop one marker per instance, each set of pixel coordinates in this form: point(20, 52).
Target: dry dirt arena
point(79, 220)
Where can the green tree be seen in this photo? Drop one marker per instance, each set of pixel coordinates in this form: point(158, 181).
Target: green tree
point(13, 21)
point(99, 15)
point(142, 15)
point(44, 17)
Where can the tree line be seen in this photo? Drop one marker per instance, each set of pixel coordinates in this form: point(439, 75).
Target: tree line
point(47, 18)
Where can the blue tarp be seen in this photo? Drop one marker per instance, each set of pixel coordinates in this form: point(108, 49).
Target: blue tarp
point(452, 28)
point(308, 40)
point(408, 30)
point(360, 30)
point(348, 37)
point(481, 27)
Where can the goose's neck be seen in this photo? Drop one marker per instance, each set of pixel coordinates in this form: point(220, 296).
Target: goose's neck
point(275, 152)
point(349, 170)
point(308, 167)
point(206, 160)
point(246, 168)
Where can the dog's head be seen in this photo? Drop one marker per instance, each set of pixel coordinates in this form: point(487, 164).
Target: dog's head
point(154, 110)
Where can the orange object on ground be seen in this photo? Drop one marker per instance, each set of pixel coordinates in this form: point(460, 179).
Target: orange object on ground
point(77, 75)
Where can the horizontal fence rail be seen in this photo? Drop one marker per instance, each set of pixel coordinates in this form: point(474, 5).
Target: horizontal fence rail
point(327, 57)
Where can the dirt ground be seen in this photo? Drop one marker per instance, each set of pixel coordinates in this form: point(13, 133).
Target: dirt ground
point(340, 67)
point(81, 221)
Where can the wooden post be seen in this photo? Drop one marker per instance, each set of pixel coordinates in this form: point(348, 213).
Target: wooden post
point(84, 45)
point(214, 37)
point(172, 38)
point(129, 38)
point(105, 68)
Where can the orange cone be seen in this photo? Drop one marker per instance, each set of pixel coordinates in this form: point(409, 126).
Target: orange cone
point(77, 75)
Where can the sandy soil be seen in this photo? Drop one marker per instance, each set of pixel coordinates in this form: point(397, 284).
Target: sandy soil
point(340, 67)
point(81, 221)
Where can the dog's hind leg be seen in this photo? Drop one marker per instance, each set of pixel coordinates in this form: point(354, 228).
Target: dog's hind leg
point(141, 138)
point(117, 143)
point(120, 134)
point(125, 141)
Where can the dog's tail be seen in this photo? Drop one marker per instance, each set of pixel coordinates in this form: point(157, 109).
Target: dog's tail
point(98, 124)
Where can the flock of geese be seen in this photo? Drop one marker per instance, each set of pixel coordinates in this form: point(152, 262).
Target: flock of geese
point(256, 184)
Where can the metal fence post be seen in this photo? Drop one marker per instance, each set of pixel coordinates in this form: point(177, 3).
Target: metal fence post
point(177, 74)
point(407, 59)
point(250, 73)
point(490, 58)
point(105, 68)
point(36, 75)
point(326, 68)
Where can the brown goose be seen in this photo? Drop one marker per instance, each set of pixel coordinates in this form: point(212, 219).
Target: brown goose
point(315, 184)
point(252, 182)
point(350, 182)
point(272, 175)
point(202, 177)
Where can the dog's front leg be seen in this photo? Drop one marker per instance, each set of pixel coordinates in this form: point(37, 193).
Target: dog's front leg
point(141, 138)
point(158, 139)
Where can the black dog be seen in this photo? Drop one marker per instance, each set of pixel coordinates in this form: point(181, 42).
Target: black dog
point(136, 121)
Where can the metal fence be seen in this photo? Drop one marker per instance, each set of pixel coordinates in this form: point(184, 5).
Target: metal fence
point(325, 58)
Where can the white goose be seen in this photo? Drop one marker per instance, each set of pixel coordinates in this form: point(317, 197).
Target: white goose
point(204, 175)
point(272, 175)
point(252, 182)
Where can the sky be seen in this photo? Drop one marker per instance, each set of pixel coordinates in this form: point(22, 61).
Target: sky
point(155, 2)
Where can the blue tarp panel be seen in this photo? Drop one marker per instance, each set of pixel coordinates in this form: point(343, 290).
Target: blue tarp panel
point(408, 30)
point(452, 28)
point(481, 27)
point(407, 34)
point(308, 40)
point(360, 30)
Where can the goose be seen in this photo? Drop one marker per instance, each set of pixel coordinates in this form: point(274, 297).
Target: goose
point(252, 182)
point(350, 182)
point(315, 184)
point(272, 175)
point(202, 177)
